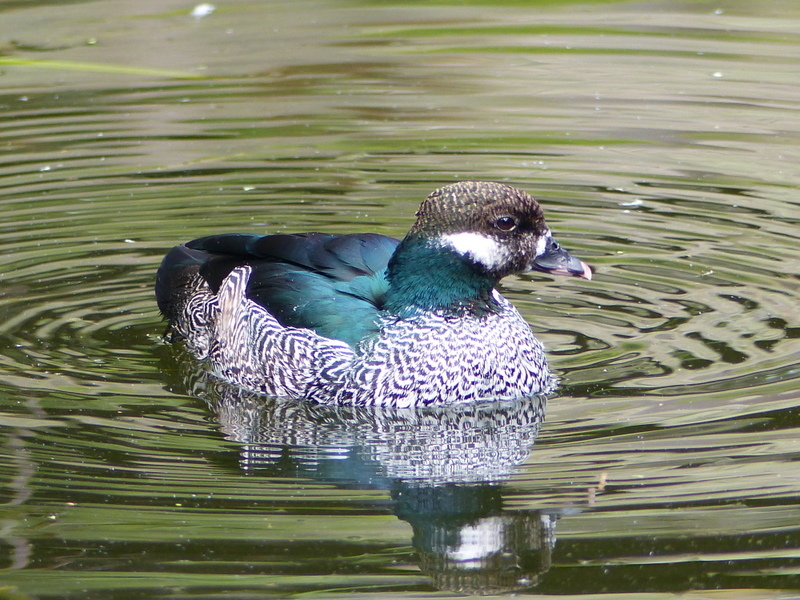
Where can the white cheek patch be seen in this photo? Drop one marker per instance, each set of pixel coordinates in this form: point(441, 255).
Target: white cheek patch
point(482, 249)
point(543, 242)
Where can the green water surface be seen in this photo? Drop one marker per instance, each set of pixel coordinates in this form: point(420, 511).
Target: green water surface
point(662, 139)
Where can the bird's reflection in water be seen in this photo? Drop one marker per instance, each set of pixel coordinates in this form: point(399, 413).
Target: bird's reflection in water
point(444, 468)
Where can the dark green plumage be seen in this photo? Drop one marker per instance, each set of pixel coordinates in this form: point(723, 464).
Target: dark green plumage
point(331, 284)
point(424, 276)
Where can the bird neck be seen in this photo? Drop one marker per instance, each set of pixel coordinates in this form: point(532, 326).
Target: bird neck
point(425, 276)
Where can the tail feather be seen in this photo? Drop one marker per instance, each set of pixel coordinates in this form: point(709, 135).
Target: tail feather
point(178, 279)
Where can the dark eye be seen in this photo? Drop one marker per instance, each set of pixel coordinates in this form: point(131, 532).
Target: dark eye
point(506, 223)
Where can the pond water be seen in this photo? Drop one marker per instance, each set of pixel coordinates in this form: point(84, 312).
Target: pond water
point(662, 138)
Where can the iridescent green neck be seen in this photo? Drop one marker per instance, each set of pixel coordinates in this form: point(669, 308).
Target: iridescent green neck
point(424, 276)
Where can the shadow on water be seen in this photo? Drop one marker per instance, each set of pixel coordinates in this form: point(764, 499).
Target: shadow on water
point(444, 468)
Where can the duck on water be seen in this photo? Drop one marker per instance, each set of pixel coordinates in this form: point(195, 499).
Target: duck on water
point(369, 320)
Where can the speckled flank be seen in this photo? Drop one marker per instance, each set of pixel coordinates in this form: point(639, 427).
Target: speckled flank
point(429, 359)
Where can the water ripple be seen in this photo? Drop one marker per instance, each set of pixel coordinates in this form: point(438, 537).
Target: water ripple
point(663, 146)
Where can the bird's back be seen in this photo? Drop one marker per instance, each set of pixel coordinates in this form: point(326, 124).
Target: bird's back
point(333, 285)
